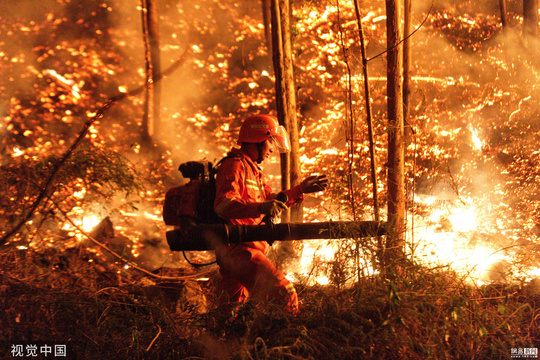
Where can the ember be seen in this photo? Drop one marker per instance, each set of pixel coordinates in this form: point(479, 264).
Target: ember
point(91, 140)
point(472, 163)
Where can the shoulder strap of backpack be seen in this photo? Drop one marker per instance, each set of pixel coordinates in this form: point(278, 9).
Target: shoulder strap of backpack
point(229, 156)
point(216, 167)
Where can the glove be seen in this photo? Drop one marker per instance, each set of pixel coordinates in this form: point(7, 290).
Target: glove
point(314, 184)
point(272, 208)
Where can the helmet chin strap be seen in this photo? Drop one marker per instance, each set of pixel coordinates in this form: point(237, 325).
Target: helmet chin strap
point(259, 149)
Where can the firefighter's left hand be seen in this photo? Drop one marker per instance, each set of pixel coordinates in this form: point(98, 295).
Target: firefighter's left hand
point(272, 208)
point(314, 184)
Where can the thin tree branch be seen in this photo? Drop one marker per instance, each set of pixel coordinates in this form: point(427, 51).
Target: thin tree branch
point(411, 34)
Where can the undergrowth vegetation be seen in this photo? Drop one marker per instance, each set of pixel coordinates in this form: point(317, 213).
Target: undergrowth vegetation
point(474, 111)
point(104, 311)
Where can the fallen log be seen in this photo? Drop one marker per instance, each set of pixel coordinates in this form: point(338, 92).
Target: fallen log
point(207, 236)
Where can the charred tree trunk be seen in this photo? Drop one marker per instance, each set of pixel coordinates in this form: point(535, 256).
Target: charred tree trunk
point(530, 17)
point(396, 149)
point(152, 106)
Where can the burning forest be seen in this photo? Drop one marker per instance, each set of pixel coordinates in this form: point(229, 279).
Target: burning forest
point(86, 163)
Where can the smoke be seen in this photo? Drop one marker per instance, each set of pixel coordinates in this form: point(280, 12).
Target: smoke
point(462, 7)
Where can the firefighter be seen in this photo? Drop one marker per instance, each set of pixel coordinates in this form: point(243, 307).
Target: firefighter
point(243, 198)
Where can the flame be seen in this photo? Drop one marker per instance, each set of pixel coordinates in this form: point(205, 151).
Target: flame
point(463, 220)
point(317, 252)
point(451, 236)
point(80, 219)
point(474, 263)
point(89, 222)
point(314, 251)
point(477, 143)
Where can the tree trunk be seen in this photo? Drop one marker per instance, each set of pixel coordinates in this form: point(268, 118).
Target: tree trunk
point(267, 16)
point(396, 149)
point(504, 17)
point(151, 117)
point(286, 95)
point(407, 69)
point(350, 120)
point(367, 96)
point(530, 17)
point(289, 252)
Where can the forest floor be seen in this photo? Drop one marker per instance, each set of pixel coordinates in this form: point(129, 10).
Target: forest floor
point(95, 309)
point(471, 79)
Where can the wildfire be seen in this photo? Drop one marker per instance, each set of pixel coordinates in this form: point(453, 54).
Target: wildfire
point(464, 231)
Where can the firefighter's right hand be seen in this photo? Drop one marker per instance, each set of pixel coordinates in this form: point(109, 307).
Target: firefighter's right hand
point(272, 207)
point(314, 184)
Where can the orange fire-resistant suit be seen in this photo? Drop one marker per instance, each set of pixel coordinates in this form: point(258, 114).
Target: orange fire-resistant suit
point(244, 267)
